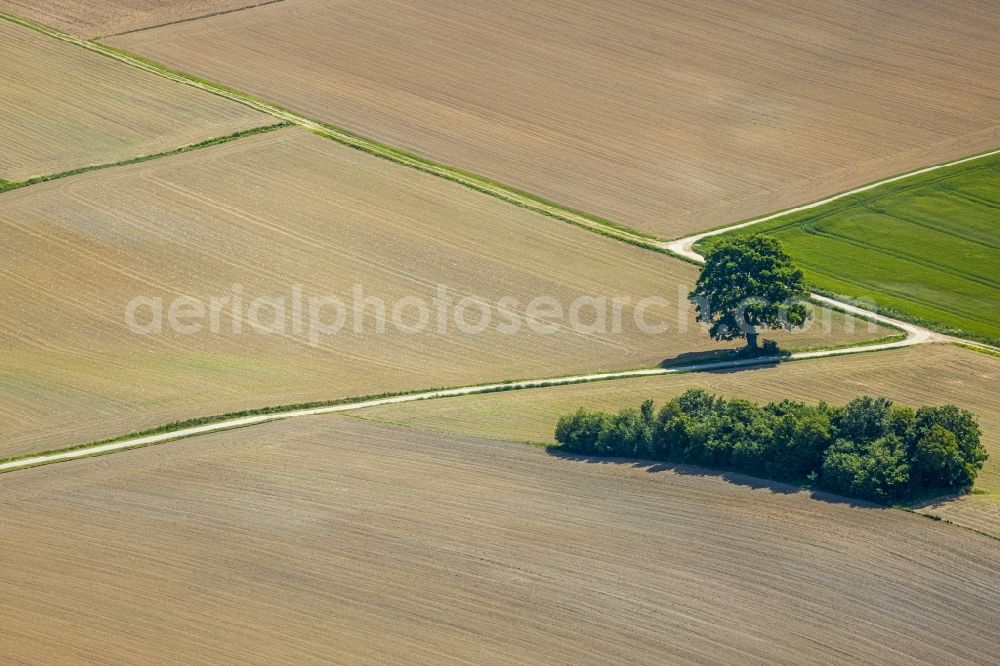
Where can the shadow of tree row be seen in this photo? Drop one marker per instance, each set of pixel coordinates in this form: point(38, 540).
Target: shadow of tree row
point(730, 476)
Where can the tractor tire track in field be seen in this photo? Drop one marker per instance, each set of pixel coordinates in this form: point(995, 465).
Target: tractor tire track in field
point(681, 248)
point(188, 19)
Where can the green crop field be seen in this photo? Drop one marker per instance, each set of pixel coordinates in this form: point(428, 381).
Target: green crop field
point(927, 247)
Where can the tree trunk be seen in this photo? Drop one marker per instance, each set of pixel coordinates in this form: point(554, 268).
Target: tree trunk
point(752, 341)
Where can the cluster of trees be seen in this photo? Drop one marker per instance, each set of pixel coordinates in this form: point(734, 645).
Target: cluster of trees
point(869, 448)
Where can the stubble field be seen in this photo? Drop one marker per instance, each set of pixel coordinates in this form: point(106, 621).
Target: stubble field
point(275, 211)
point(65, 108)
point(333, 539)
point(705, 114)
point(915, 376)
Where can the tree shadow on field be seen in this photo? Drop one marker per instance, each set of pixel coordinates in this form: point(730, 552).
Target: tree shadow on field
point(693, 359)
point(689, 358)
point(736, 478)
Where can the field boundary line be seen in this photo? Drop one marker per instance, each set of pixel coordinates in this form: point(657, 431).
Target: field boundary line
point(679, 248)
point(473, 181)
point(7, 186)
point(190, 18)
point(352, 404)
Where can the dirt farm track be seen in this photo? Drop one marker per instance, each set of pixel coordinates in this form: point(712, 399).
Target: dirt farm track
point(333, 539)
point(270, 212)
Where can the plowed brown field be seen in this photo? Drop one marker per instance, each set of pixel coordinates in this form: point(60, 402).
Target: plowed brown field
point(87, 18)
point(64, 107)
point(669, 117)
point(269, 213)
point(925, 375)
point(334, 540)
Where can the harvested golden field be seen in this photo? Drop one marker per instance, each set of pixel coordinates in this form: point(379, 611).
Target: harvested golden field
point(924, 375)
point(261, 217)
point(65, 107)
point(667, 117)
point(86, 18)
point(334, 539)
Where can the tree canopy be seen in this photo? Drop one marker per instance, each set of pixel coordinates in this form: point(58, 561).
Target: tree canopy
point(749, 283)
point(869, 448)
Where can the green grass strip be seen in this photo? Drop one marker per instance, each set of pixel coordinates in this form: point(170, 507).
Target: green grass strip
point(172, 426)
point(896, 337)
point(989, 351)
point(6, 185)
point(202, 420)
point(938, 519)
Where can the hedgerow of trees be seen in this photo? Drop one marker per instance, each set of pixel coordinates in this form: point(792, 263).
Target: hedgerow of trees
point(869, 448)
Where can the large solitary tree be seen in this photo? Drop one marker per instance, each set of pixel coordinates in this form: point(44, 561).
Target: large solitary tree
point(749, 283)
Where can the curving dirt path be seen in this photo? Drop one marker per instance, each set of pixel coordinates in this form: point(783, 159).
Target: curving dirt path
point(681, 247)
point(684, 248)
point(914, 335)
